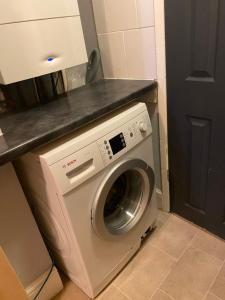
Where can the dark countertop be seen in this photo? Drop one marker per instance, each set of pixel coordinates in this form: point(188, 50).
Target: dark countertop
point(23, 131)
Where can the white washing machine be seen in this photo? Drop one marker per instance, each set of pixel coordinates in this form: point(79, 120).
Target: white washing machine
point(93, 194)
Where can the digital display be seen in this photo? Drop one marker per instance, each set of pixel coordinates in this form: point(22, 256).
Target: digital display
point(117, 143)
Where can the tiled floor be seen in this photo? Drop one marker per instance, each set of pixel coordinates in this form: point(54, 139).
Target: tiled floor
point(178, 262)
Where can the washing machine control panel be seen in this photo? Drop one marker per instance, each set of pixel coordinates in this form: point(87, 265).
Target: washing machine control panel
point(117, 143)
point(124, 138)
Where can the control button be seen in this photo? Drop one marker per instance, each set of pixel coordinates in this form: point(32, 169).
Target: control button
point(105, 142)
point(142, 127)
point(110, 157)
point(131, 134)
point(107, 147)
point(109, 152)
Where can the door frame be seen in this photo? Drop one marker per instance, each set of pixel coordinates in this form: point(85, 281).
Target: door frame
point(159, 11)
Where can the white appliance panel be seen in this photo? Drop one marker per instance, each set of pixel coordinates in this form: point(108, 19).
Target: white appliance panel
point(12, 11)
point(31, 49)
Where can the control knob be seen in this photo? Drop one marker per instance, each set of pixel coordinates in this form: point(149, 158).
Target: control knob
point(142, 127)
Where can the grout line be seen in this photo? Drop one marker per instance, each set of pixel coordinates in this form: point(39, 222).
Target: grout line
point(125, 54)
point(164, 279)
point(124, 294)
point(102, 294)
point(154, 10)
point(154, 293)
point(186, 248)
point(188, 245)
point(202, 230)
point(196, 247)
point(167, 294)
point(164, 252)
point(163, 292)
point(137, 14)
point(166, 274)
point(213, 281)
point(155, 34)
point(214, 296)
point(40, 19)
point(161, 281)
point(183, 252)
point(124, 30)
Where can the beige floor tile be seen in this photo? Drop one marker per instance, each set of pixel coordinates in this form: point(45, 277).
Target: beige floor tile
point(142, 254)
point(219, 286)
point(212, 297)
point(160, 295)
point(191, 277)
point(163, 217)
point(70, 292)
point(112, 293)
point(146, 274)
point(210, 244)
point(128, 270)
point(174, 236)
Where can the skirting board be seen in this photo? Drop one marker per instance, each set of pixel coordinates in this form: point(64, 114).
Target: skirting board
point(52, 287)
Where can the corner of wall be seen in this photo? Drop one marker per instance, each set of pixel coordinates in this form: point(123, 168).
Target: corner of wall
point(162, 98)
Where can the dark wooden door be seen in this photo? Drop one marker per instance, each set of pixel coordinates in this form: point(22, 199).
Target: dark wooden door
point(195, 43)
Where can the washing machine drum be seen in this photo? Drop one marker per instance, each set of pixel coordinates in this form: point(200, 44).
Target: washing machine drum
point(123, 198)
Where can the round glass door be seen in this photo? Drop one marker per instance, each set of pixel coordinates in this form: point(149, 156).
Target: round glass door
point(122, 198)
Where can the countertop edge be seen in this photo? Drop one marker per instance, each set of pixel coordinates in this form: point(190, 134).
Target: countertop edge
point(48, 137)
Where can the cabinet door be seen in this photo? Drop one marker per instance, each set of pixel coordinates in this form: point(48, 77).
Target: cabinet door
point(19, 235)
point(26, 10)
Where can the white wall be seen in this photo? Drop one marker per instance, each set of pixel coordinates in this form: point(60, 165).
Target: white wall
point(131, 35)
point(126, 35)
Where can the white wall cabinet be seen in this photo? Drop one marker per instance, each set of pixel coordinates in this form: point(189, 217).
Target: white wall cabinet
point(21, 239)
point(39, 37)
point(12, 11)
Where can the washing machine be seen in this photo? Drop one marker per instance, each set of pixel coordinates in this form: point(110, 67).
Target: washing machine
point(93, 194)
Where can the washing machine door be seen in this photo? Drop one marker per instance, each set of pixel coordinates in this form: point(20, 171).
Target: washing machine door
point(123, 198)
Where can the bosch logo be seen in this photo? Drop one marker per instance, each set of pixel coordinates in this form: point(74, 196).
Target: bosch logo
point(70, 163)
